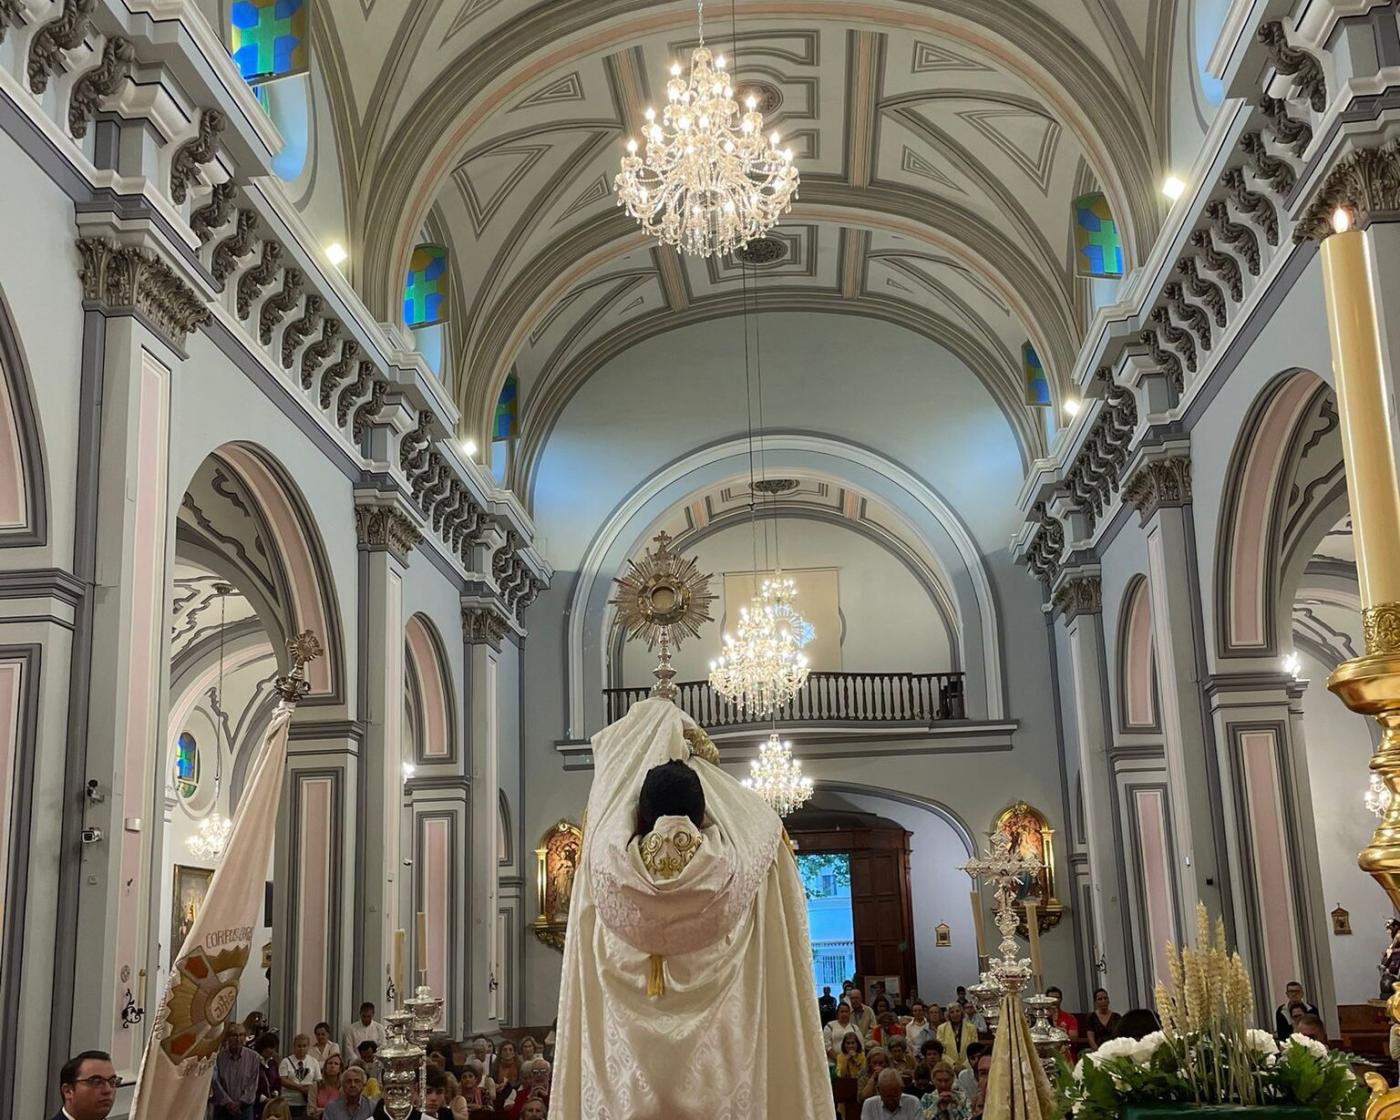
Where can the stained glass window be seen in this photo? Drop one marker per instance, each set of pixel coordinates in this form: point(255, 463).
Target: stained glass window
point(186, 765)
point(507, 423)
point(268, 38)
point(1098, 251)
point(425, 290)
point(1037, 384)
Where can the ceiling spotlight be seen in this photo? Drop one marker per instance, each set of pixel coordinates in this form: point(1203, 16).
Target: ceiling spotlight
point(1173, 187)
point(1072, 406)
point(469, 447)
point(336, 254)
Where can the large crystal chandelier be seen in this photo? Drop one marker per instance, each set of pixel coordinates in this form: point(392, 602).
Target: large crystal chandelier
point(779, 594)
point(777, 777)
point(710, 180)
point(761, 667)
point(212, 838)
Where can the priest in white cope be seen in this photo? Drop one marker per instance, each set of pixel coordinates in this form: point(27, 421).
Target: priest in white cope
point(687, 989)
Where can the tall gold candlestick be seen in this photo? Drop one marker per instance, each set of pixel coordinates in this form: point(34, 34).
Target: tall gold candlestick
point(1369, 684)
point(399, 939)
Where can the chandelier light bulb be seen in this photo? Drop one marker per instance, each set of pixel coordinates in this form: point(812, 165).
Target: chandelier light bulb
point(762, 668)
point(751, 103)
point(675, 69)
point(632, 147)
point(719, 63)
point(211, 839)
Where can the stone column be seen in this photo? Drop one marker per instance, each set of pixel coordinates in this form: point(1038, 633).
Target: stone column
point(388, 529)
point(1078, 599)
point(140, 304)
point(1281, 913)
point(1159, 485)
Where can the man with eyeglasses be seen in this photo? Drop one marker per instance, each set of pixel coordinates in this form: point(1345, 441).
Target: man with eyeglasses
point(88, 1084)
point(234, 1092)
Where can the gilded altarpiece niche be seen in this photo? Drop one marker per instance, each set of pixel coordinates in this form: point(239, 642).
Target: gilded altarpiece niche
point(1031, 835)
point(557, 860)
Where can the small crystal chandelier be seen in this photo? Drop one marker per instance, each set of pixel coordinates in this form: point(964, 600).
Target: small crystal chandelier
point(778, 593)
point(762, 668)
point(212, 838)
point(710, 181)
point(1377, 797)
point(777, 777)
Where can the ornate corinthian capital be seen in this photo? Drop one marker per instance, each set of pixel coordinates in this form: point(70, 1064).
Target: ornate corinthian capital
point(483, 624)
point(1159, 484)
point(1366, 182)
point(1079, 595)
point(386, 529)
point(125, 279)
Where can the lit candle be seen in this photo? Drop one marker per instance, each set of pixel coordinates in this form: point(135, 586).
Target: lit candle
point(422, 961)
point(400, 937)
point(1363, 408)
point(977, 925)
point(1033, 931)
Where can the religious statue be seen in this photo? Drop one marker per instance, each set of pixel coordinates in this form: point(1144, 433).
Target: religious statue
point(1390, 959)
point(558, 856)
point(1032, 839)
point(687, 905)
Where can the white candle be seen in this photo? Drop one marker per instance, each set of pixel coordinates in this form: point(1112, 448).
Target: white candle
point(400, 937)
point(977, 924)
point(1033, 931)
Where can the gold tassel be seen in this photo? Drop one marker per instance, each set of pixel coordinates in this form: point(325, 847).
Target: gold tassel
point(656, 977)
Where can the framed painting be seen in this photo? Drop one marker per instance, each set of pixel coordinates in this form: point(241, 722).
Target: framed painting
point(557, 859)
point(191, 884)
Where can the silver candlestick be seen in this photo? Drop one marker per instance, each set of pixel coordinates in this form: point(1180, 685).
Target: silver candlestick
point(403, 1061)
point(426, 1009)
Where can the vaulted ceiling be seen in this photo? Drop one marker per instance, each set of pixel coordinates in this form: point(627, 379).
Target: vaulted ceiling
point(939, 143)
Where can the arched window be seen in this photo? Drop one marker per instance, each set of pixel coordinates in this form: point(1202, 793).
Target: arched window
point(1098, 250)
point(268, 38)
point(505, 427)
point(425, 302)
point(1207, 20)
point(270, 44)
point(186, 765)
point(1037, 383)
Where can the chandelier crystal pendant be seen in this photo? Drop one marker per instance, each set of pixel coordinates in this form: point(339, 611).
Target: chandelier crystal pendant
point(761, 667)
point(777, 777)
point(710, 180)
point(211, 839)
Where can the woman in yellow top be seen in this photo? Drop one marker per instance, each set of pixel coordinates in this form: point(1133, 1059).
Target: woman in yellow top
point(850, 1062)
point(956, 1034)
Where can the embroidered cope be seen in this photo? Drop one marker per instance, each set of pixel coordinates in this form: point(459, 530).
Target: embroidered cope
point(669, 932)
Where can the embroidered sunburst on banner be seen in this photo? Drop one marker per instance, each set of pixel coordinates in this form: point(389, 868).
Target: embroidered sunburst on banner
point(268, 38)
point(425, 289)
point(1098, 250)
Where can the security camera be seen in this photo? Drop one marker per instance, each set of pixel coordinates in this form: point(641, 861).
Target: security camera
point(94, 792)
point(92, 836)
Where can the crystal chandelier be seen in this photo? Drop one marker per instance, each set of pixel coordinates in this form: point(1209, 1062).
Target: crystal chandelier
point(212, 838)
point(778, 594)
point(762, 668)
point(777, 777)
point(710, 180)
point(1377, 797)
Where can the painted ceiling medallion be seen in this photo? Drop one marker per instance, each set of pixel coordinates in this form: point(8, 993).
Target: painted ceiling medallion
point(710, 180)
point(775, 486)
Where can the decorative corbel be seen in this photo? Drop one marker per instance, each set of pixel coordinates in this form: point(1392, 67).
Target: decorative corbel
point(1257, 206)
point(253, 282)
point(195, 153)
point(279, 304)
point(1265, 166)
point(301, 328)
point(319, 351)
point(1222, 264)
point(66, 33)
point(1293, 62)
point(339, 371)
point(103, 80)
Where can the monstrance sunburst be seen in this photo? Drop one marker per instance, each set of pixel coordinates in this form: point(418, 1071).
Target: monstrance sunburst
point(662, 599)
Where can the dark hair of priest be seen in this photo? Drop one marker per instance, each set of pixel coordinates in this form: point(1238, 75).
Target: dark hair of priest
point(670, 790)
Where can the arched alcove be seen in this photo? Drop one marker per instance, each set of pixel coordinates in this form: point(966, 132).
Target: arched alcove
point(23, 481)
point(429, 693)
point(1137, 661)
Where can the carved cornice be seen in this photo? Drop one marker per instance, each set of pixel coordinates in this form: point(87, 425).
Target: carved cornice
point(484, 624)
point(1079, 595)
point(385, 529)
point(1159, 484)
point(124, 279)
point(66, 33)
point(195, 153)
point(1366, 182)
point(1296, 63)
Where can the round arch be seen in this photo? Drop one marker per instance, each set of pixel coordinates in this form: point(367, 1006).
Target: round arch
point(945, 813)
point(430, 691)
point(23, 477)
point(1285, 464)
point(275, 557)
point(927, 512)
point(1137, 660)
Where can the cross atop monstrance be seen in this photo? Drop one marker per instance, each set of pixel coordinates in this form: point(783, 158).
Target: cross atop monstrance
point(1003, 868)
point(663, 598)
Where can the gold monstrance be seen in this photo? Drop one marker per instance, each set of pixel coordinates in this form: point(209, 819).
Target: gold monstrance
point(663, 598)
